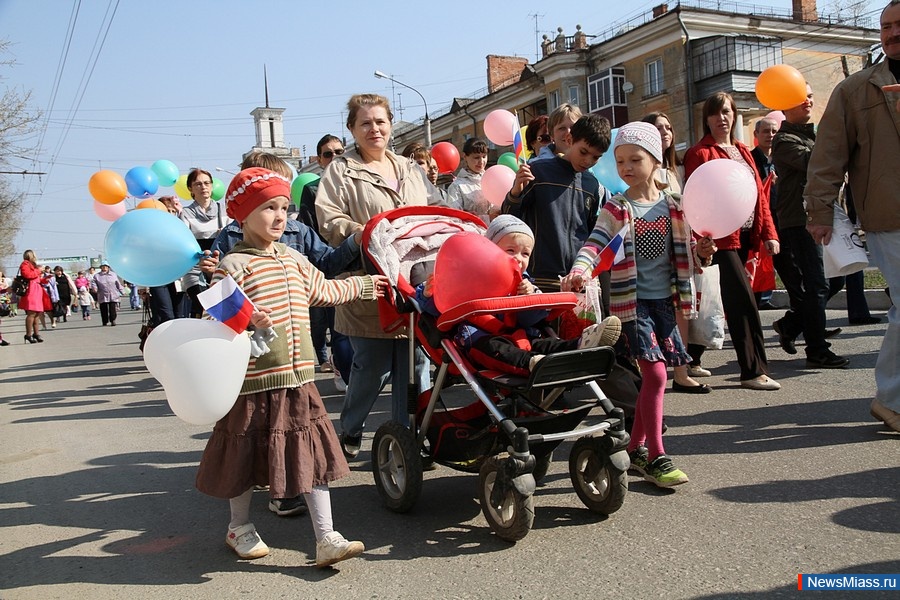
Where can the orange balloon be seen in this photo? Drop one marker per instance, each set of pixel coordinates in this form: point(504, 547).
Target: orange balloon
point(152, 203)
point(107, 187)
point(781, 87)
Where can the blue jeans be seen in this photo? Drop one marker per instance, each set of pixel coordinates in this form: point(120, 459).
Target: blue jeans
point(375, 361)
point(857, 307)
point(321, 319)
point(341, 354)
point(884, 248)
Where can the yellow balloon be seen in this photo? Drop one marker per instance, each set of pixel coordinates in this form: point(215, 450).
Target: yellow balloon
point(181, 188)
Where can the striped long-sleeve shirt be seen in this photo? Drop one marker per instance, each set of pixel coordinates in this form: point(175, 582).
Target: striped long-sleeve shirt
point(623, 277)
point(288, 284)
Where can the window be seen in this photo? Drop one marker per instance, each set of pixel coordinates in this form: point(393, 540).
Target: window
point(722, 54)
point(605, 89)
point(573, 95)
point(653, 78)
point(553, 100)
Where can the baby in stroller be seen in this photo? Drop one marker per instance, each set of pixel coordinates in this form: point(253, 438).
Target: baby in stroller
point(514, 343)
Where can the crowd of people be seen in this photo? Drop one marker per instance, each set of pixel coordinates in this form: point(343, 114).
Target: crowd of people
point(301, 267)
point(52, 295)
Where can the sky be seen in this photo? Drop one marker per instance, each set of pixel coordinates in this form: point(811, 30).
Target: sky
point(140, 81)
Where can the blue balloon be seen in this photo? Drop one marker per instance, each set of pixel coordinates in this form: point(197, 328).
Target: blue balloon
point(151, 247)
point(141, 182)
point(605, 170)
point(166, 171)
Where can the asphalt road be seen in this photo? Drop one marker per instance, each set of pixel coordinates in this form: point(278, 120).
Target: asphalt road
point(97, 497)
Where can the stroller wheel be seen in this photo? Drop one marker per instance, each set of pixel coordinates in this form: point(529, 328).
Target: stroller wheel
point(397, 466)
point(599, 484)
point(509, 512)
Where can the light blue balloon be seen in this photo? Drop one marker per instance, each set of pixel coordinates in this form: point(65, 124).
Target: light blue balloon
point(605, 170)
point(151, 247)
point(141, 182)
point(166, 171)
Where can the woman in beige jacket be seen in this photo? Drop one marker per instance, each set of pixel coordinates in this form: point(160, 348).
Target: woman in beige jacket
point(355, 187)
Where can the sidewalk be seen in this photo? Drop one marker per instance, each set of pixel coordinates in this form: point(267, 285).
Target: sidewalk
point(97, 496)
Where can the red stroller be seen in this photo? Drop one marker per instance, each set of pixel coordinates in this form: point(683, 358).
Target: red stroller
point(508, 434)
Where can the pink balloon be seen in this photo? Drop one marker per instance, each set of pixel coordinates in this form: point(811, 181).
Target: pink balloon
point(499, 126)
point(719, 197)
point(777, 116)
point(496, 183)
point(109, 212)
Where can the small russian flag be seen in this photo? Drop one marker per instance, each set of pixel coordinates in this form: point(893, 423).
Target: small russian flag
point(227, 303)
point(518, 146)
point(612, 254)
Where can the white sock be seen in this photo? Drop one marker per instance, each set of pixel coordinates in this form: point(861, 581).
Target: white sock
point(240, 509)
point(319, 503)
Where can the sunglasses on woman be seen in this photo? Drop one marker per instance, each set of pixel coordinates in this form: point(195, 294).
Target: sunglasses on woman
point(332, 153)
point(545, 138)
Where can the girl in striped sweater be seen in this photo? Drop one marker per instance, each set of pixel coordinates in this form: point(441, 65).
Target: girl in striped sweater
point(278, 433)
point(646, 286)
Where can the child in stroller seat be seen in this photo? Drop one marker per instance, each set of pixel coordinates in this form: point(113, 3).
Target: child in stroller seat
point(518, 345)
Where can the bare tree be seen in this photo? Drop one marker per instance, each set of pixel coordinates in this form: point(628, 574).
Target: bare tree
point(17, 122)
point(850, 12)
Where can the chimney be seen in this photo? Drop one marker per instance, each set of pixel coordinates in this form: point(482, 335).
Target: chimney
point(660, 10)
point(503, 71)
point(805, 11)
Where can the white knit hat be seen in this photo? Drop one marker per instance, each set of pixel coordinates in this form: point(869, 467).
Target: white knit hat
point(504, 225)
point(642, 134)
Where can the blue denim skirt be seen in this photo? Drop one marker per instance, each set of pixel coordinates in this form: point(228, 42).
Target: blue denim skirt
point(653, 335)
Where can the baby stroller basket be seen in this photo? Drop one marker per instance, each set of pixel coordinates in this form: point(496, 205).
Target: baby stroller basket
point(507, 435)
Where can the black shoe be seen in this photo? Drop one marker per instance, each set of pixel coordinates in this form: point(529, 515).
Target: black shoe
point(287, 507)
point(787, 343)
point(28, 340)
point(36, 338)
point(767, 306)
point(4, 343)
point(830, 333)
point(870, 320)
point(691, 389)
point(827, 360)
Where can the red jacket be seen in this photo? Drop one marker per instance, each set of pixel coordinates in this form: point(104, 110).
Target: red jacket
point(763, 227)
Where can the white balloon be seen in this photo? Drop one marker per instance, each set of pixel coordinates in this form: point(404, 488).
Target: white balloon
point(201, 365)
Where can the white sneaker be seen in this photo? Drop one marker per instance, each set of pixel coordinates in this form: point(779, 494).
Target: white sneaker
point(246, 542)
point(698, 371)
point(334, 548)
point(604, 333)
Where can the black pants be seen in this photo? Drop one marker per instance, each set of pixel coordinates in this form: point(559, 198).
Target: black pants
point(108, 312)
point(807, 314)
point(741, 315)
point(502, 349)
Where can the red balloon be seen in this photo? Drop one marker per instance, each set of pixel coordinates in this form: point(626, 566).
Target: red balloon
point(446, 156)
point(469, 267)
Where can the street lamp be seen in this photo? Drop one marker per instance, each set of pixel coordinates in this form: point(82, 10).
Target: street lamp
point(381, 75)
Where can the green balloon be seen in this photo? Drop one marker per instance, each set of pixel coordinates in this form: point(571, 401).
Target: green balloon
point(508, 159)
point(218, 189)
point(300, 182)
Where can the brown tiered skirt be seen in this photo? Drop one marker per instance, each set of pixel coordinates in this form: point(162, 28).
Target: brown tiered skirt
point(280, 438)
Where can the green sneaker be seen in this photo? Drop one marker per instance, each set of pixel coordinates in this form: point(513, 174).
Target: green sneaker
point(663, 473)
point(639, 460)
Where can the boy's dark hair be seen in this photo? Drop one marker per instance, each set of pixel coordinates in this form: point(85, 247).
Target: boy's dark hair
point(475, 145)
point(593, 130)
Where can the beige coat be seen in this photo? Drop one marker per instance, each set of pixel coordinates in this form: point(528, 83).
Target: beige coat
point(349, 195)
point(858, 134)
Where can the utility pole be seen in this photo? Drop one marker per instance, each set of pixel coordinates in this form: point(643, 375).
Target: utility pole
point(537, 45)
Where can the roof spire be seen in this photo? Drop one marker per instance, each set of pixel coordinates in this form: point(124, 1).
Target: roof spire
point(266, 83)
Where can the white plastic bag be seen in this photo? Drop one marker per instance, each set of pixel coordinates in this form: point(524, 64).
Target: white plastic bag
point(589, 307)
point(708, 329)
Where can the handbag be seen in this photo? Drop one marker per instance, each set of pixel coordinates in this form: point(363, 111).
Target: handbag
point(760, 270)
point(20, 285)
point(708, 329)
point(146, 328)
